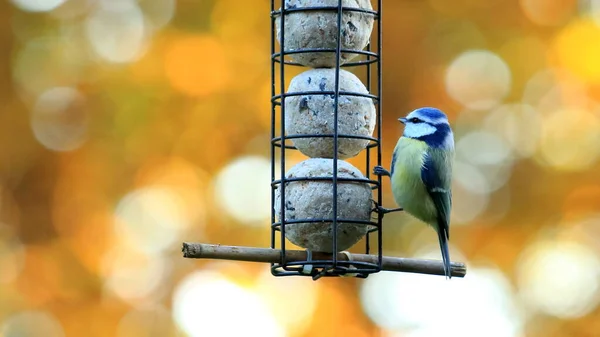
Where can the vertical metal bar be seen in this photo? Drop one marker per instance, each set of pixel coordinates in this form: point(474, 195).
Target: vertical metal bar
point(272, 124)
point(368, 154)
point(338, 56)
point(282, 128)
point(368, 65)
point(379, 130)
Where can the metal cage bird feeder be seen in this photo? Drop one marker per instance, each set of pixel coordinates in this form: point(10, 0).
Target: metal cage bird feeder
point(371, 60)
point(332, 261)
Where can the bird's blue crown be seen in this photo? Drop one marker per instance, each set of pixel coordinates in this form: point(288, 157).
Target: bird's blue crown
point(431, 113)
point(429, 125)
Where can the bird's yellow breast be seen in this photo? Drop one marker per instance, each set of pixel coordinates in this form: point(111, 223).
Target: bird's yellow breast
point(407, 186)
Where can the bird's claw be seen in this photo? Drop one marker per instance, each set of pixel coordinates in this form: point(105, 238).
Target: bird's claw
point(380, 171)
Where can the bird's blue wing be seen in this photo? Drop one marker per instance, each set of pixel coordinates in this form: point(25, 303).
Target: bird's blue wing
point(435, 175)
point(438, 186)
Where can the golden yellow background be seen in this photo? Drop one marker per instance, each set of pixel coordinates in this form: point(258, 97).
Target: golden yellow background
point(127, 127)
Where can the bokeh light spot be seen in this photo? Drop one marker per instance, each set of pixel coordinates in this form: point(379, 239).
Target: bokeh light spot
point(471, 178)
point(560, 278)
point(158, 12)
point(184, 183)
point(478, 79)
point(151, 219)
point(60, 119)
point(132, 276)
point(196, 65)
point(553, 89)
point(293, 300)
point(587, 230)
point(594, 10)
point(483, 148)
point(37, 5)
point(468, 203)
point(208, 304)
point(72, 9)
point(30, 324)
point(561, 131)
point(12, 252)
point(116, 31)
point(46, 63)
point(408, 302)
point(243, 190)
point(581, 32)
point(518, 124)
point(489, 155)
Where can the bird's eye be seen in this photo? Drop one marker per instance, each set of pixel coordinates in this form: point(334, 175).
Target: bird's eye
point(415, 120)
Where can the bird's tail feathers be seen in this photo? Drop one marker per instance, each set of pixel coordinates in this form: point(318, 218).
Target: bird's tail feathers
point(443, 237)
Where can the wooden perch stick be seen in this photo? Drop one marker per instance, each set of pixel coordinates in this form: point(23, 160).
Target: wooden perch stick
point(268, 255)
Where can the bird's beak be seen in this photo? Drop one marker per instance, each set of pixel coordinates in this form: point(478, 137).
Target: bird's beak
point(402, 120)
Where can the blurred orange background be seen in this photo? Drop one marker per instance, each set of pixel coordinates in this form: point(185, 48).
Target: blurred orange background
point(127, 127)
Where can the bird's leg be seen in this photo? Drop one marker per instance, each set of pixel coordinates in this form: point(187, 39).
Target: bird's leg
point(383, 211)
point(380, 171)
point(308, 268)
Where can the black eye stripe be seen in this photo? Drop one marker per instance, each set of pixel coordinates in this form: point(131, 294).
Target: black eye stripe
point(415, 120)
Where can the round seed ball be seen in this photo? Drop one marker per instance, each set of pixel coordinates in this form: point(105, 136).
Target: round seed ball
point(313, 114)
point(314, 200)
point(318, 29)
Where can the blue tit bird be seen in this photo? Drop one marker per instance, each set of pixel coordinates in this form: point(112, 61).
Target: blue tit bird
point(421, 172)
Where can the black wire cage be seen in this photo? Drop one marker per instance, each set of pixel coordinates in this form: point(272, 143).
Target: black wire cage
point(369, 59)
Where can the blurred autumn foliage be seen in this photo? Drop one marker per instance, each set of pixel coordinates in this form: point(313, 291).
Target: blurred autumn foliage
point(127, 127)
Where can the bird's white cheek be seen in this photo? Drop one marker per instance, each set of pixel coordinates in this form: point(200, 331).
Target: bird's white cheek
point(418, 130)
point(449, 141)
